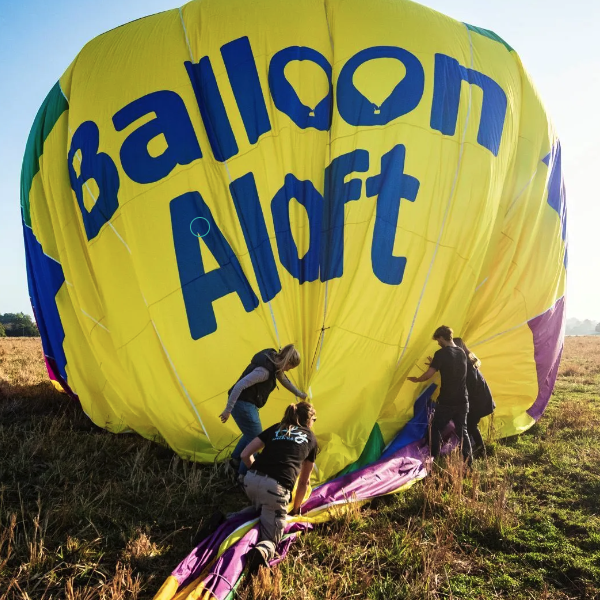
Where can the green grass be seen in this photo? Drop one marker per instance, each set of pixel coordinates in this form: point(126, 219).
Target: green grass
point(85, 514)
point(525, 524)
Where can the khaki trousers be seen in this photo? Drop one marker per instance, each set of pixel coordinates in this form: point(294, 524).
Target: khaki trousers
point(272, 500)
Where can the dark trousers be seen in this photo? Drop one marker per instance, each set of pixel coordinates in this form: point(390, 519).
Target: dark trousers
point(473, 430)
point(441, 417)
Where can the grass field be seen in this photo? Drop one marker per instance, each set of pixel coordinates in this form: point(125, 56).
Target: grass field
point(85, 514)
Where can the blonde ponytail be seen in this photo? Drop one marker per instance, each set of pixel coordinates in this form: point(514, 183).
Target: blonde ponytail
point(287, 357)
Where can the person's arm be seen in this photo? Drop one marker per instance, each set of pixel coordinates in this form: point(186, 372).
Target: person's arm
point(303, 481)
point(427, 375)
point(259, 374)
point(250, 450)
point(288, 385)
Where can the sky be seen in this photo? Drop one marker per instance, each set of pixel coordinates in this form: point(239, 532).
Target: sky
point(557, 42)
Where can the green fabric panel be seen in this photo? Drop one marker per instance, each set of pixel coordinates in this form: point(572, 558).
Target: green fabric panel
point(489, 34)
point(371, 452)
point(52, 108)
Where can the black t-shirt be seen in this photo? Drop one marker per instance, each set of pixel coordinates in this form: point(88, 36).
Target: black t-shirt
point(284, 452)
point(451, 362)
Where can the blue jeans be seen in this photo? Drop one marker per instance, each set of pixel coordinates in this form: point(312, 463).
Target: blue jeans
point(247, 419)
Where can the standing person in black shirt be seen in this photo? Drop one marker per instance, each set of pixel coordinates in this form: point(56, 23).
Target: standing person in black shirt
point(289, 449)
point(481, 403)
point(251, 392)
point(452, 403)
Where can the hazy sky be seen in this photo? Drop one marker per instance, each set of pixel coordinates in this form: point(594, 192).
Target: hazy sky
point(557, 41)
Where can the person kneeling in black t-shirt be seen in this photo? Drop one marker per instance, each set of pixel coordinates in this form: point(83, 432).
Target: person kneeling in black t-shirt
point(288, 448)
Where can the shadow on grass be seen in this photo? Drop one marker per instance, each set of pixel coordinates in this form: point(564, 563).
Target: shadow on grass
point(89, 509)
point(22, 404)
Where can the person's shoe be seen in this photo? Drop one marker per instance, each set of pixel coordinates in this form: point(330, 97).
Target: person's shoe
point(209, 527)
point(255, 559)
point(479, 452)
point(233, 467)
point(239, 483)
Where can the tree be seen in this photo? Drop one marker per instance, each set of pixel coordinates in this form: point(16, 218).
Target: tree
point(19, 324)
point(2, 331)
point(7, 318)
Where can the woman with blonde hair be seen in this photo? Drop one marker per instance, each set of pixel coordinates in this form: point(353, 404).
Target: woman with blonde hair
point(481, 403)
point(251, 392)
point(289, 449)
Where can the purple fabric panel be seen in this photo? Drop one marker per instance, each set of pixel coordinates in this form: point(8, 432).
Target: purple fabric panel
point(286, 544)
point(376, 479)
point(200, 557)
point(225, 573)
point(548, 337)
point(379, 478)
point(383, 476)
point(191, 567)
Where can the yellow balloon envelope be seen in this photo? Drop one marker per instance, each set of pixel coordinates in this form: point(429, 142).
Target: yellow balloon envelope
point(230, 176)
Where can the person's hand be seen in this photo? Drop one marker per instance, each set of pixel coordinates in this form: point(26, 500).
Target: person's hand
point(413, 379)
point(304, 396)
point(295, 512)
point(224, 416)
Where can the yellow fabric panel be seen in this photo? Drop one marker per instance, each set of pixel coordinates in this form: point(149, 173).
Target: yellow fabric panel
point(483, 247)
point(193, 591)
point(168, 589)
point(57, 385)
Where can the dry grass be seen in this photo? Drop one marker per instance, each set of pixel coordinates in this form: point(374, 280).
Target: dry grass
point(87, 515)
point(581, 359)
point(23, 371)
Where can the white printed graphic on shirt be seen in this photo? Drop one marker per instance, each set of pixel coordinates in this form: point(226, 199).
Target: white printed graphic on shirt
point(291, 433)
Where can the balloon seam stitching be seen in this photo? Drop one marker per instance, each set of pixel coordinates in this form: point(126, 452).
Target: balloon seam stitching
point(179, 380)
point(437, 245)
point(92, 318)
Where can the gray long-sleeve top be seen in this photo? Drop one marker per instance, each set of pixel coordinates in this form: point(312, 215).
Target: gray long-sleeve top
point(259, 374)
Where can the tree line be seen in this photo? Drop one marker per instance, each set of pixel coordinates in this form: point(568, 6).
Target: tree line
point(17, 325)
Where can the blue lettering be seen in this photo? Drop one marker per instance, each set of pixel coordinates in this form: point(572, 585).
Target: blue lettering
point(243, 77)
point(252, 220)
point(338, 193)
point(449, 75)
point(307, 267)
point(218, 129)
point(200, 289)
point(390, 186)
point(99, 167)
point(172, 121)
point(285, 97)
point(356, 110)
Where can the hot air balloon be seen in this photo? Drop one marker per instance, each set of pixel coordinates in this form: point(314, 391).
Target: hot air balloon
point(230, 176)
